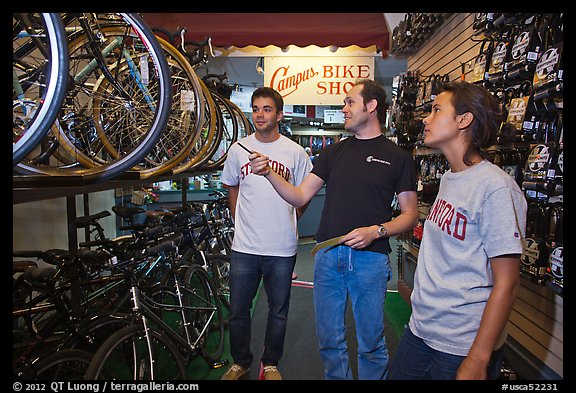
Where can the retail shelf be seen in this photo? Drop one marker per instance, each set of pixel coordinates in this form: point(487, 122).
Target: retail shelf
point(409, 247)
point(32, 188)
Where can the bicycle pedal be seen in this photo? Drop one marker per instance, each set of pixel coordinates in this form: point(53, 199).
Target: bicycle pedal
point(219, 364)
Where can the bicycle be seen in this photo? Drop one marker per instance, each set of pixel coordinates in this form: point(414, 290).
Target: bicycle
point(206, 240)
point(231, 123)
point(151, 348)
point(117, 104)
point(51, 339)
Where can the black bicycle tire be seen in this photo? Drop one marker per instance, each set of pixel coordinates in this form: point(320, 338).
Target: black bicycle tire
point(129, 159)
point(222, 287)
point(210, 355)
point(94, 370)
point(57, 83)
point(80, 358)
point(213, 163)
point(93, 325)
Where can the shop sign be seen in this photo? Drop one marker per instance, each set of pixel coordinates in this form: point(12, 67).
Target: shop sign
point(315, 80)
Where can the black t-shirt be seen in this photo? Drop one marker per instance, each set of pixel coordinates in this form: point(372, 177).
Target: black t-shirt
point(362, 176)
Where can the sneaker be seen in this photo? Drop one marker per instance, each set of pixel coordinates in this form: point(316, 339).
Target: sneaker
point(235, 372)
point(272, 373)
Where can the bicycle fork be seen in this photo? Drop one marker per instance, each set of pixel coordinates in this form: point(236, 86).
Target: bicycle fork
point(136, 302)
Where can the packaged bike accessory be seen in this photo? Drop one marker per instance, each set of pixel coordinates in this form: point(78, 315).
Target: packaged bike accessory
point(481, 62)
point(512, 163)
point(525, 49)
point(483, 21)
point(421, 91)
point(534, 259)
point(540, 170)
point(548, 74)
point(519, 104)
point(433, 86)
point(555, 268)
point(500, 54)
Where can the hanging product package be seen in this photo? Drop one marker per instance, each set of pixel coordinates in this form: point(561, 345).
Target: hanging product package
point(540, 169)
point(534, 259)
point(483, 21)
point(555, 268)
point(548, 74)
point(433, 86)
point(420, 94)
point(495, 71)
point(518, 105)
point(481, 62)
point(523, 54)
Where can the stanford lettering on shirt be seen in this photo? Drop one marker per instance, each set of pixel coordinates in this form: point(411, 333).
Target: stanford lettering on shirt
point(442, 214)
point(276, 166)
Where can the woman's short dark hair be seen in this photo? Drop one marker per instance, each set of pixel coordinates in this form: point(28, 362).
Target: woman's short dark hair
point(373, 91)
point(269, 92)
point(489, 118)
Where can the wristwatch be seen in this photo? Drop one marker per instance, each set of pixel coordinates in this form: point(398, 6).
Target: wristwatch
point(382, 230)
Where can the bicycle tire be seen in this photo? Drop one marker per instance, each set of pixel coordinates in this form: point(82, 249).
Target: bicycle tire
point(184, 126)
point(228, 123)
point(207, 313)
point(118, 357)
point(48, 100)
point(98, 329)
point(220, 269)
point(103, 118)
point(209, 134)
point(66, 364)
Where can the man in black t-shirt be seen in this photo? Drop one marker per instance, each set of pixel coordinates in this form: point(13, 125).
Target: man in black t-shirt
point(362, 174)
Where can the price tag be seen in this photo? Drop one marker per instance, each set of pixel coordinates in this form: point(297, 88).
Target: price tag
point(187, 100)
point(144, 73)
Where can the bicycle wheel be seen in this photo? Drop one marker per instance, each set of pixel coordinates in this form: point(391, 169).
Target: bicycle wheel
point(185, 121)
point(66, 364)
point(97, 329)
point(205, 312)
point(220, 269)
point(210, 136)
point(228, 123)
point(119, 99)
point(131, 354)
point(39, 78)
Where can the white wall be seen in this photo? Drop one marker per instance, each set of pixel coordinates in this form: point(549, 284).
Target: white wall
point(43, 225)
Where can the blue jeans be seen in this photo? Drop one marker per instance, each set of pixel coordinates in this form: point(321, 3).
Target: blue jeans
point(341, 273)
point(246, 270)
point(414, 359)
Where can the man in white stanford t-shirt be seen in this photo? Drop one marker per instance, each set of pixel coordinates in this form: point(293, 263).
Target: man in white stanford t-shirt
point(265, 233)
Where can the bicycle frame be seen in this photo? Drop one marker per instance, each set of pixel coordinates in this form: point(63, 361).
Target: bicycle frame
point(99, 62)
point(143, 307)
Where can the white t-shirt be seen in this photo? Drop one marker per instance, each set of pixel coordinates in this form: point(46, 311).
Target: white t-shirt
point(479, 213)
point(265, 224)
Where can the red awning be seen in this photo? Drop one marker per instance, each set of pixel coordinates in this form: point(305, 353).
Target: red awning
point(279, 29)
